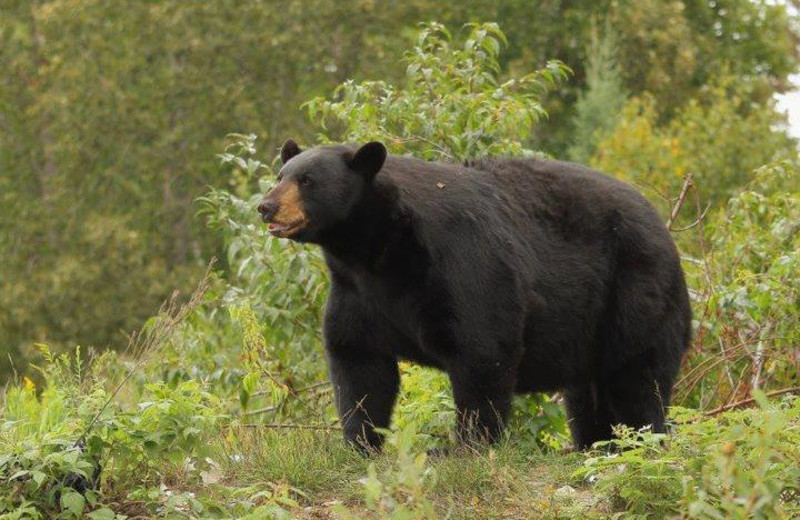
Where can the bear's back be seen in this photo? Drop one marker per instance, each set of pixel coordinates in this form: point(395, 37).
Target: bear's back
point(566, 198)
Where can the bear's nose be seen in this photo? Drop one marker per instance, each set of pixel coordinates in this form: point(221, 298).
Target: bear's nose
point(267, 208)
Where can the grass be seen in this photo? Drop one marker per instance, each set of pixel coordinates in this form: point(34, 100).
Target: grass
point(505, 481)
point(309, 461)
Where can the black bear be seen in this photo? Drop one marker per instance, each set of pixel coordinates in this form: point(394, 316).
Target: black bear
point(512, 275)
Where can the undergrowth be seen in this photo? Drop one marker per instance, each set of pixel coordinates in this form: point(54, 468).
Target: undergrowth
point(176, 453)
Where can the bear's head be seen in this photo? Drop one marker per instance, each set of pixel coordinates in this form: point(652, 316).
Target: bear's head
point(319, 189)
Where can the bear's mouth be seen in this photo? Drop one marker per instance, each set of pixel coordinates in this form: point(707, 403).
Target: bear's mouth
point(281, 230)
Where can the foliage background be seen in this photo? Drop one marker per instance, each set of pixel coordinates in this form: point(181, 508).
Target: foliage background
point(119, 182)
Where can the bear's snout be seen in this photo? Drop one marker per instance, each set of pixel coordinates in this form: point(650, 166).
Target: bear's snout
point(282, 209)
point(268, 208)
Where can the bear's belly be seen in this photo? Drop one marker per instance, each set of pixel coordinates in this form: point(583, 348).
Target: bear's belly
point(399, 314)
point(558, 353)
point(535, 374)
point(406, 343)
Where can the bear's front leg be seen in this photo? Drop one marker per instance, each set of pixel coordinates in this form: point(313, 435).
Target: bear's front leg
point(363, 370)
point(482, 394)
point(365, 390)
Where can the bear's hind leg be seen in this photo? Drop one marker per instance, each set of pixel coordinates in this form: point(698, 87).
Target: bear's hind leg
point(639, 394)
point(590, 419)
point(634, 395)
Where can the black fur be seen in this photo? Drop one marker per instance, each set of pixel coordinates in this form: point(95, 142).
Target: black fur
point(512, 275)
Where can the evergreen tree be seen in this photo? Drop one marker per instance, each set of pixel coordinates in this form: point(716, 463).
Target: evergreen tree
point(598, 107)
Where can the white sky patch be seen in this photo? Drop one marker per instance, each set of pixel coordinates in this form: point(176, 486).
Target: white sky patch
point(790, 103)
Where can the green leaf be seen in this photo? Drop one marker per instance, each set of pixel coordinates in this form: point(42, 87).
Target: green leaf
point(250, 382)
point(103, 513)
point(38, 477)
point(73, 502)
point(18, 474)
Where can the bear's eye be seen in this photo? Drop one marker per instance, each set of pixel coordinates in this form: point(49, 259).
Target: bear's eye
point(305, 180)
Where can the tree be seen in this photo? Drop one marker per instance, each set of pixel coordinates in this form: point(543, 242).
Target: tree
point(597, 109)
point(721, 137)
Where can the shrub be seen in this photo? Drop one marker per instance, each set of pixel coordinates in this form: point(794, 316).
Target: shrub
point(138, 456)
point(740, 465)
point(402, 491)
point(748, 308)
point(453, 106)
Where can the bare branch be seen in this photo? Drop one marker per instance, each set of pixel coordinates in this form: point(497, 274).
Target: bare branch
point(749, 401)
point(291, 426)
point(687, 183)
point(695, 223)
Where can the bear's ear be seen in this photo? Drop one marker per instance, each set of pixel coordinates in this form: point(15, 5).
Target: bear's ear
point(368, 160)
point(289, 150)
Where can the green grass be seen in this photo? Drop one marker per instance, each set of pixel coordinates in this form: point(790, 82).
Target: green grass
point(505, 481)
point(314, 462)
